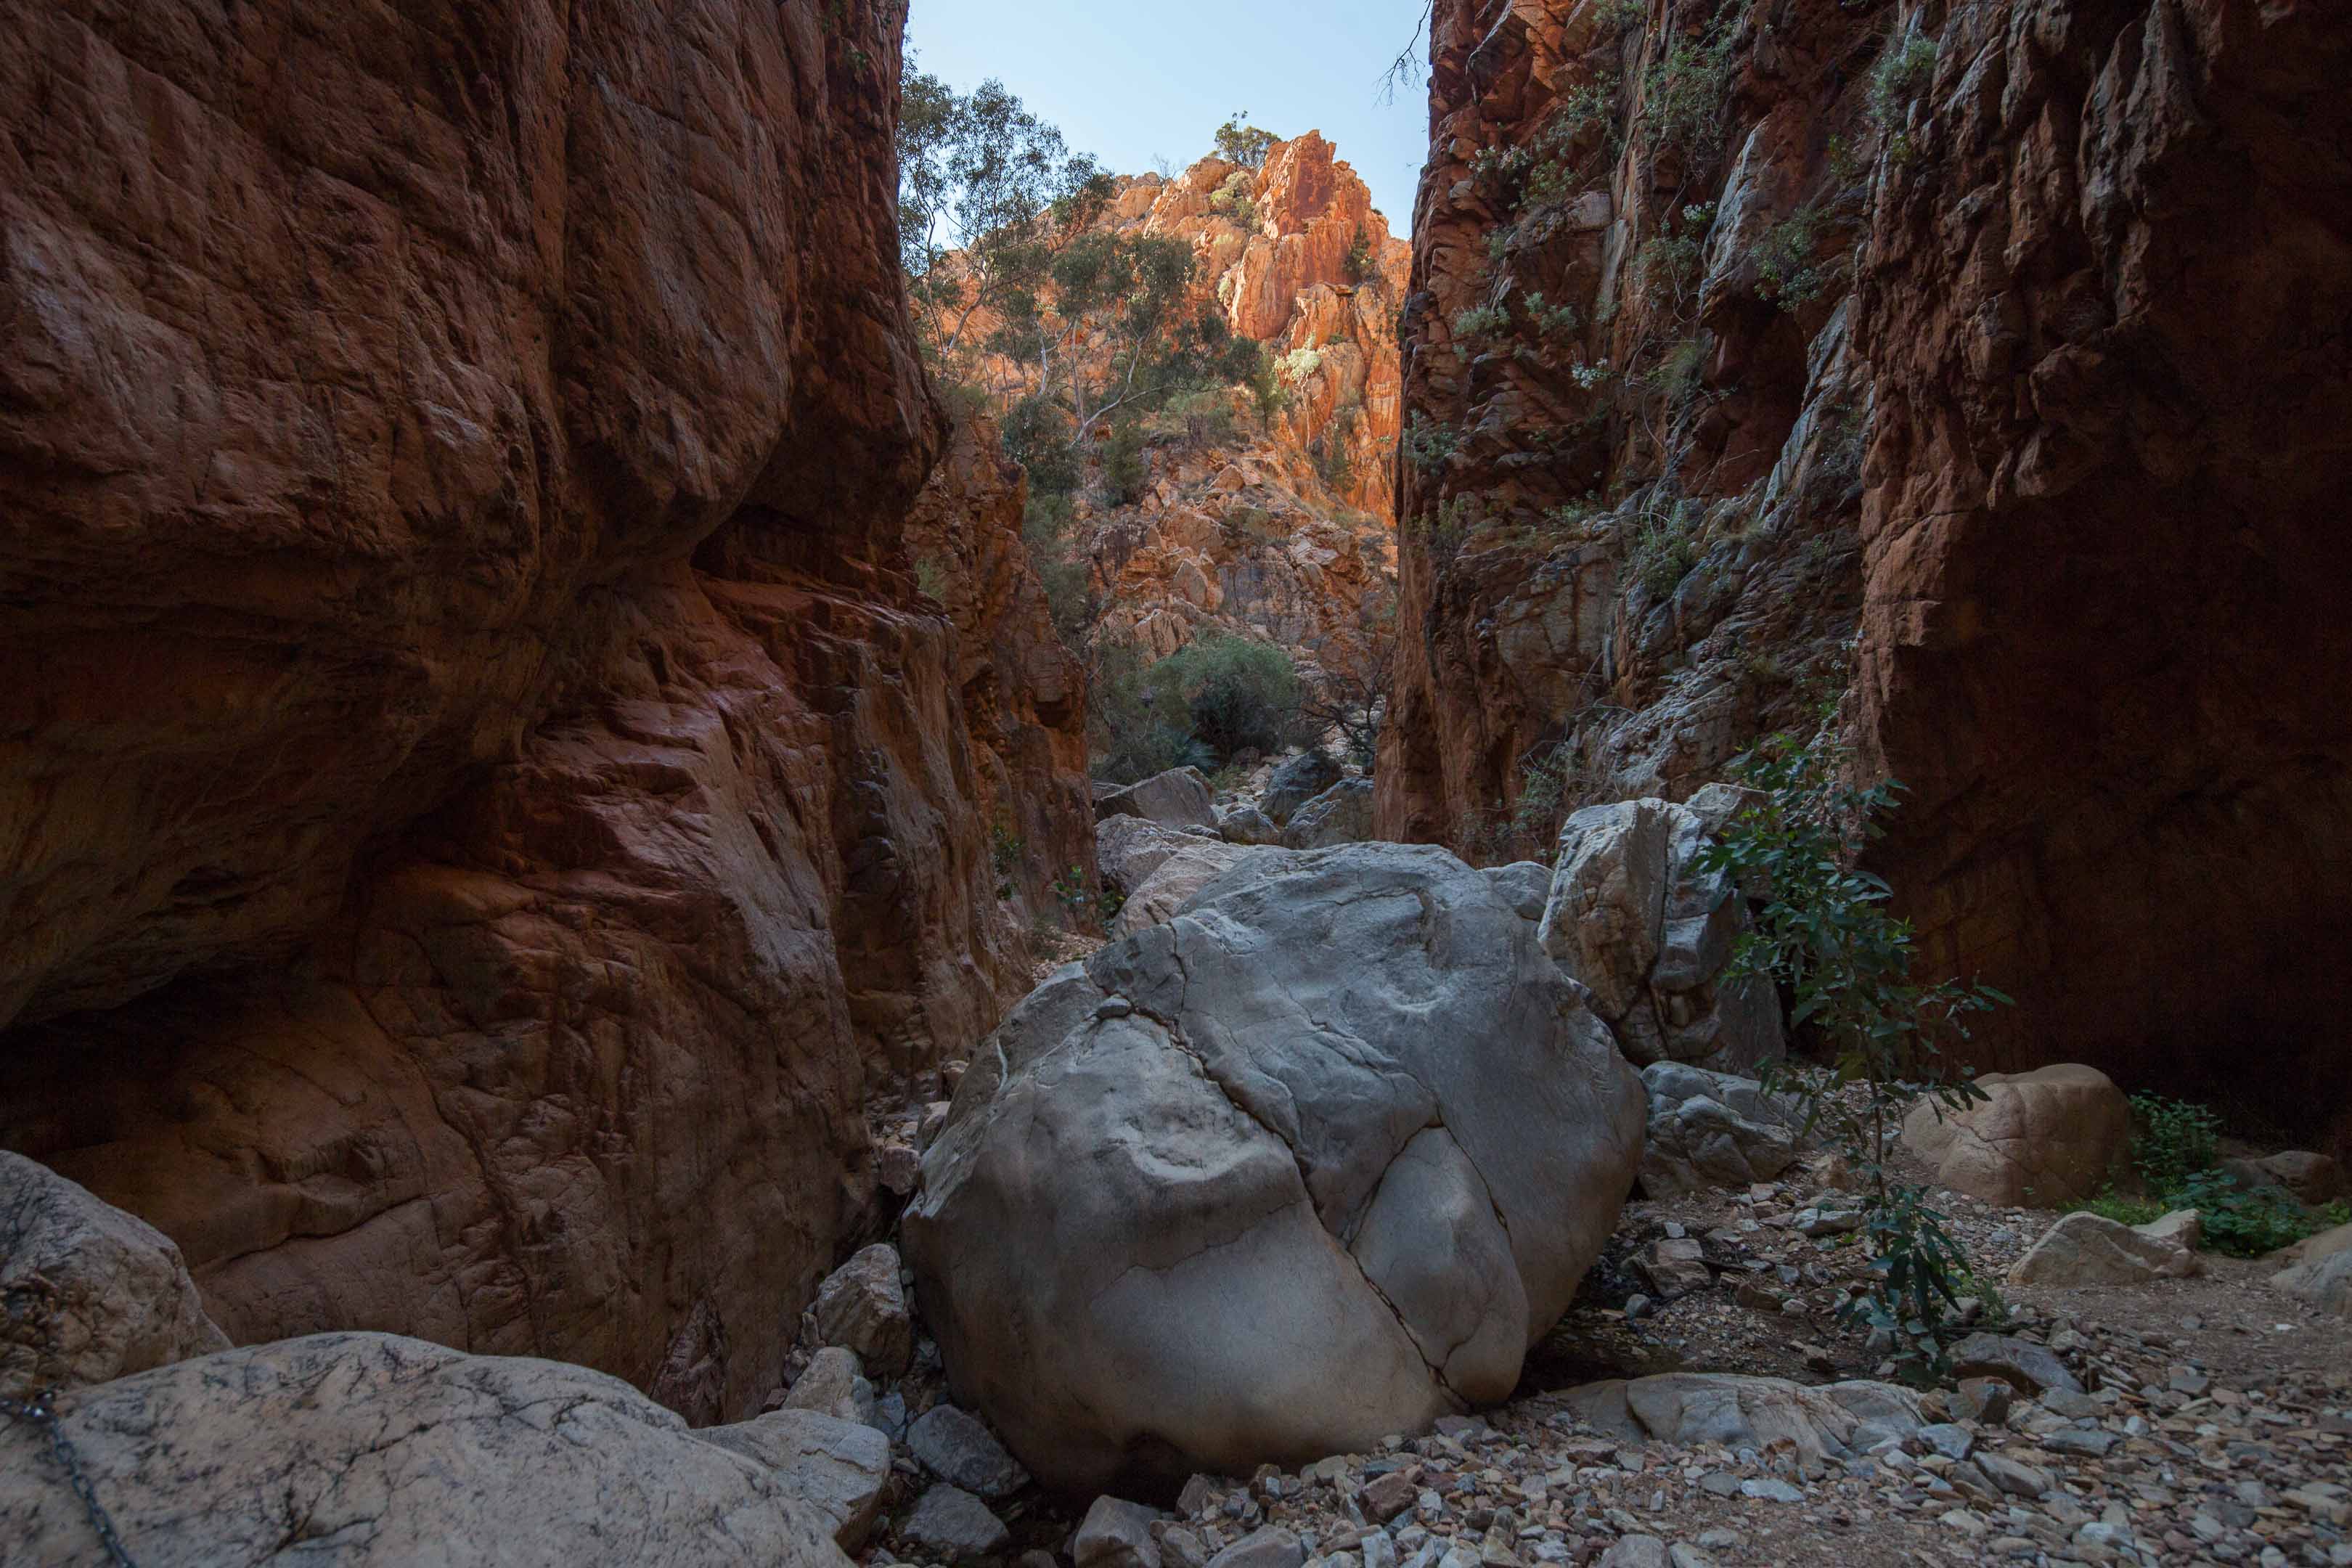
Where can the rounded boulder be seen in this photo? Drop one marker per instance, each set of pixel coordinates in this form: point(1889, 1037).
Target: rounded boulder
point(1312, 1162)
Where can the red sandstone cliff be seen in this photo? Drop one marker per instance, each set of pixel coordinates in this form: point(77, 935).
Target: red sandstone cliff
point(1977, 364)
point(482, 799)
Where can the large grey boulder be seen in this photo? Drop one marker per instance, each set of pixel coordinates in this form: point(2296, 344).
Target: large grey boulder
point(1711, 1130)
point(373, 1449)
point(838, 1467)
point(1739, 1412)
point(1648, 934)
point(91, 1293)
point(1180, 798)
point(1296, 782)
point(1128, 849)
point(1340, 814)
point(1310, 1164)
point(1175, 880)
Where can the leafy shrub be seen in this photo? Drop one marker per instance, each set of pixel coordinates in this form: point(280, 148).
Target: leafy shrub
point(1901, 75)
point(1428, 445)
point(1823, 938)
point(1477, 323)
point(1300, 363)
point(2172, 1140)
point(1239, 141)
point(1358, 263)
point(1235, 199)
point(1684, 92)
point(1124, 472)
point(1215, 695)
point(2176, 1148)
point(1664, 551)
point(1787, 273)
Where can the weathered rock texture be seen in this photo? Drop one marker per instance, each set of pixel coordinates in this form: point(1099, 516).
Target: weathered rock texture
point(481, 791)
point(1633, 919)
point(2045, 1138)
point(2054, 330)
point(370, 1450)
point(1276, 529)
point(2102, 629)
point(1023, 693)
point(1309, 1218)
point(87, 1292)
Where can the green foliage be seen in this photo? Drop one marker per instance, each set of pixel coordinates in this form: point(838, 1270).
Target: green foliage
point(2246, 1222)
point(1215, 695)
point(1619, 18)
point(1328, 452)
point(1239, 141)
point(1006, 851)
point(2176, 1148)
point(1902, 72)
point(1684, 91)
point(1082, 903)
point(1477, 323)
point(2172, 1140)
point(931, 577)
point(1427, 444)
point(1665, 550)
point(1125, 473)
point(1825, 939)
point(1234, 199)
point(1554, 323)
point(1299, 364)
point(1788, 272)
point(1358, 263)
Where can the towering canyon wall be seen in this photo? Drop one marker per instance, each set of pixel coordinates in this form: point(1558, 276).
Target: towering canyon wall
point(1974, 373)
point(483, 801)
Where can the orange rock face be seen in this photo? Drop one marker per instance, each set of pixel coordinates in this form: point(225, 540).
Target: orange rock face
point(1997, 413)
point(483, 802)
point(1275, 528)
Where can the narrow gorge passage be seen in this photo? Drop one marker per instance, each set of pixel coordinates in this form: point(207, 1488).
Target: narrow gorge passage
point(1449, 784)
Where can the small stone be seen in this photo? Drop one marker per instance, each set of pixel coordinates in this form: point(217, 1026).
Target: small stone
point(1771, 1490)
point(2079, 1440)
point(1683, 1554)
point(1200, 1494)
point(835, 1385)
point(1636, 1305)
point(952, 1523)
point(1269, 1547)
point(935, 1121)
point(898, 1168)
point(1116, 1533)
point(1388, 1496)
point(956, 1447)
point(2017, 1480)
point(1952, 1442)
point(1637, 1551)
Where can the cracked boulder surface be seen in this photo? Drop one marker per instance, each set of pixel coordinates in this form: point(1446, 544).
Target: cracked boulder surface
point(361, 1449)
point(1310, 1164)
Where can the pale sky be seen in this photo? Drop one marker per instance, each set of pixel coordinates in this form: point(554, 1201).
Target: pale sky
point(1132, 82)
